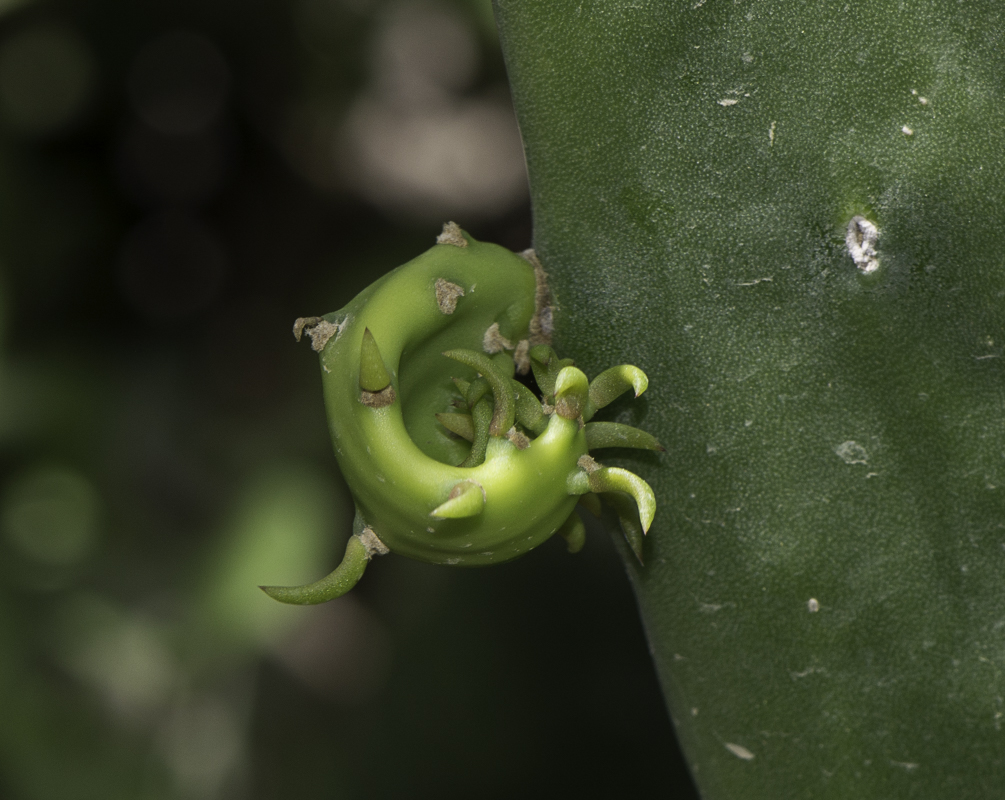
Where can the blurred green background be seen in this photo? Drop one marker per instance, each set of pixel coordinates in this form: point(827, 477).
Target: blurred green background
point(178, 182)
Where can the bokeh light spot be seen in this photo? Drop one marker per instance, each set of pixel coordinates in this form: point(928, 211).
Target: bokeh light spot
point(121, 656)
point(202, 742)
point(415, 143)
point(156, 168)
point(438, 162)
point(52, 515)
point(178, 83)
point(47, 75)
point(171, 265)
point(425, 47)
point(282, 531)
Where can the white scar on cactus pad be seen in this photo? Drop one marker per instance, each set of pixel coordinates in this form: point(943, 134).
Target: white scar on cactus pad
point(861, 241)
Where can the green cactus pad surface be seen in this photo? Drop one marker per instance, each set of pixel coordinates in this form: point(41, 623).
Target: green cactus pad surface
point(793, 213)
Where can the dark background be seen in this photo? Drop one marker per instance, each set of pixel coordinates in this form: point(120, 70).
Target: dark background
point(178, 182)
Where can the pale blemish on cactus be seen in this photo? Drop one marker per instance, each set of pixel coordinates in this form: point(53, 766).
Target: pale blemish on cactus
point(449, 457)
point(860, 239)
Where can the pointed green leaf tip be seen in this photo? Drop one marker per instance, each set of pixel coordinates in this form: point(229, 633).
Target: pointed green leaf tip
point(571, 387)
point(461, 424)
point(467, 499)
point(615, 479)
point(373, 375)
point(335, 584)
point(612, 383)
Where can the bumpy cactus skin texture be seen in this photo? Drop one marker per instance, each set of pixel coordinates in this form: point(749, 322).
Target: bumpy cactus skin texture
point(825, 595)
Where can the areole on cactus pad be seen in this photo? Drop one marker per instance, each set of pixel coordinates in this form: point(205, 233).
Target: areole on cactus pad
point(451, 458)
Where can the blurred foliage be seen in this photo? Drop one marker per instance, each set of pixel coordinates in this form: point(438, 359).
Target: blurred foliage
point(178, 182)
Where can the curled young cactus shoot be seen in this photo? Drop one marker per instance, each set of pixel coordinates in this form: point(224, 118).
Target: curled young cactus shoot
point(450, 454)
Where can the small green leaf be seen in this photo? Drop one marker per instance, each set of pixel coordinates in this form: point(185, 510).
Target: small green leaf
point(615, 479)
point(614, 434)
point(528, 410)
point(461, 424)
point(467, 499)
point(373, 375)
point(612, 383)
point(503, 415)
point(481, 416)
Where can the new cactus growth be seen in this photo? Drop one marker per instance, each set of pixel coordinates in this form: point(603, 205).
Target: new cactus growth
point(450, 457)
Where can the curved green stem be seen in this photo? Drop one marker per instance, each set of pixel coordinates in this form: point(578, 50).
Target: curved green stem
point(335, 584)
point(611, 384)
point(615, 479)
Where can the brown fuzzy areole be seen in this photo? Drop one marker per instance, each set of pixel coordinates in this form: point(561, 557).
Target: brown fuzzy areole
point(381, 399)
point(447, 294)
